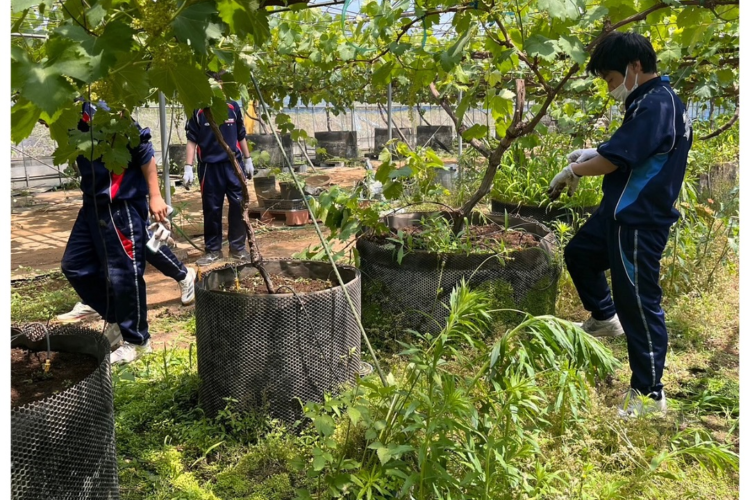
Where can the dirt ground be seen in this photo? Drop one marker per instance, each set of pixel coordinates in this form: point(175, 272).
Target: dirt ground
point(40, 227)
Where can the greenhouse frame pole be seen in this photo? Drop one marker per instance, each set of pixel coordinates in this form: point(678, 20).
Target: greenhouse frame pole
point(164, 148)
point(390, 110)
point(460, 139)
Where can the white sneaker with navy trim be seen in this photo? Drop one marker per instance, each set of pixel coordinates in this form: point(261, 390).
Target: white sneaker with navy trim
point(127, 352)
point(602, 328)
point(79, 312)
point(112, 332)
point(634, 404)
point(187, 287)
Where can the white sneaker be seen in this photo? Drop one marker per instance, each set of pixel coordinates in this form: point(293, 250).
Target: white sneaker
point(602, 328)
point(112, 332)
point(187, 287)
point(634, 404)
point(128, 352)
point(80, 311)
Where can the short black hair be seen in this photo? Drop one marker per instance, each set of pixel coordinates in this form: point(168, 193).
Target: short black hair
point(216, 75)
point(618, 49)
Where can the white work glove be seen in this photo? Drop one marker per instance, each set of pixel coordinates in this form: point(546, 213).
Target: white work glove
point(582, 155)
point(249, 169)
point(187, 178)
point(160, 233)
point(566, 178)
point(159, 236)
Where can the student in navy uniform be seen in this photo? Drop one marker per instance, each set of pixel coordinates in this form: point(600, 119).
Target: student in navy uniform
point(108, 240)
point(216, 178)
point(166, 262)
point(643, 164)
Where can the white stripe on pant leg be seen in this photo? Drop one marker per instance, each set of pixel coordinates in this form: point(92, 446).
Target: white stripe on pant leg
point(640, 308)
point(170, 260)
point(135, 270)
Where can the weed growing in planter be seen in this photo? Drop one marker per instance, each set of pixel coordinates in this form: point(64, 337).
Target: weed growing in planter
point(434, 234)
point(522, 180)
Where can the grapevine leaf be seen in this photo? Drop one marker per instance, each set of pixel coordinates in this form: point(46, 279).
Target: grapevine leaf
point(573, 47)
point(244, 18)
point(593, 15)
point(560, 9)
point(23, 118)
point(476, 131)
point(47, 90)
point(192, 25)
point(17, 6)
point(19, 68)
point(538, 45)
point(453, 55)
point(130, 83)
point(191, 85)
point(382, 75)
point(67, 58)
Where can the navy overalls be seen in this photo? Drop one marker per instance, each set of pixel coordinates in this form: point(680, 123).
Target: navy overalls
point(627, 234)
point(217, 177)
point(110, 233)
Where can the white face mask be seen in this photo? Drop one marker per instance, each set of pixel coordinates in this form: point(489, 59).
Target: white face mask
point(621, 92)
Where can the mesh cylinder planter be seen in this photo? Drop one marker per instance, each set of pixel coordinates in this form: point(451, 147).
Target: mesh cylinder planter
point(273, 351)
point(544, 215)
point(381, 138)
point(435, 137)
point(414, 293)
point(63, 446)
point(267, 142)
point(338, 144)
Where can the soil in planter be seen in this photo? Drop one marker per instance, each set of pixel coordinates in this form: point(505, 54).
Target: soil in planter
point(29, 383)
point(482, 239)
point(254, 285)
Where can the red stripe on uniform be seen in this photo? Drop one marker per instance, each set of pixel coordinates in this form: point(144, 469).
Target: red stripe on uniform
point(127, 244)
point(116, 181)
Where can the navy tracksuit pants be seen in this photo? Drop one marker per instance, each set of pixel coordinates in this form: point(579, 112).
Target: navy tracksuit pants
point(633, 258)
point(114, 240)
point(216, 181)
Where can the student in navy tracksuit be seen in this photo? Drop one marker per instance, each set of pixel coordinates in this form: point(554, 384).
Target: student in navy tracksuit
point(108, 239)
point(167, 263)
point(217, 178)
point(643, 164)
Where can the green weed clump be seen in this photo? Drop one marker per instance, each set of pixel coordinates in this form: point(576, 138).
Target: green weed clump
point(41, 299)
point(167, 448)
point(528, 168)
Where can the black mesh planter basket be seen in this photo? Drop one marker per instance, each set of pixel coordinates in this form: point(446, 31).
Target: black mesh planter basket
point(63, 446)
point(413, 294)
point(275, 350)
point(545, 215)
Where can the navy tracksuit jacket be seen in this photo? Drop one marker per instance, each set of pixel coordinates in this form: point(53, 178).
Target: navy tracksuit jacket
point(217, 178)
point(628, 232)
point(110, 234)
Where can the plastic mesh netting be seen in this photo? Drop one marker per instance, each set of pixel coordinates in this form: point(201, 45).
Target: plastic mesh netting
point(545, 215)
point(63, 447)
point(271, 350)
point(413, 294)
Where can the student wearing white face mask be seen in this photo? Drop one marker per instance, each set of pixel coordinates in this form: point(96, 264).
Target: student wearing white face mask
point(643, 165)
